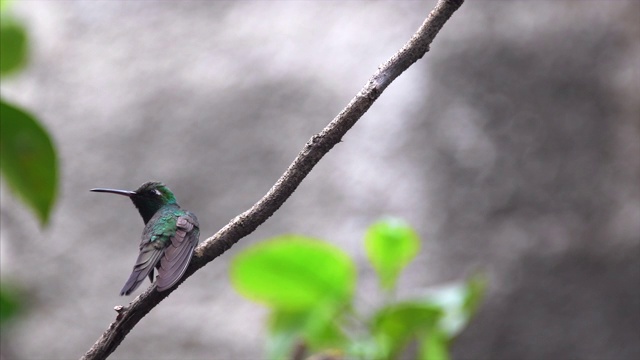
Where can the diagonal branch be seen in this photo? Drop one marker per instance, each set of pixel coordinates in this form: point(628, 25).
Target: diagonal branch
point(313, 151)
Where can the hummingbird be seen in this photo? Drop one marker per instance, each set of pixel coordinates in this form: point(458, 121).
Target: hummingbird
point(170, 234)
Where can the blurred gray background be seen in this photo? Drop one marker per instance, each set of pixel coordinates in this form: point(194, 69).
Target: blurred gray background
point(513, 146)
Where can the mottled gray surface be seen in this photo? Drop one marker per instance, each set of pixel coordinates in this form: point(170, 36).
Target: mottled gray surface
point(513, 146)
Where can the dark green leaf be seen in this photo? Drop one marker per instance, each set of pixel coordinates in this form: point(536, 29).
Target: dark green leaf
point(28, 159)
point(390, 245)
point(13, 46)
point(294, 273)
point(10, 303)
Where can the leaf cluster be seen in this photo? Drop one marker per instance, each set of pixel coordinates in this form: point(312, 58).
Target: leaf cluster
point(309, 287)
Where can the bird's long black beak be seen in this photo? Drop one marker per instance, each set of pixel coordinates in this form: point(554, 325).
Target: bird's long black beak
point(115, 191)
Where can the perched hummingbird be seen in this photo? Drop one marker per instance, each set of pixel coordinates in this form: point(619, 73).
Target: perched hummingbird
point(169, 237)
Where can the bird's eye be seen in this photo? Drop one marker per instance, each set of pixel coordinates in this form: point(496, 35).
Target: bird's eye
point(157, 192)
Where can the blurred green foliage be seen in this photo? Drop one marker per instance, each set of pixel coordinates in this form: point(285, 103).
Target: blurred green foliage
point(13, 40)
point(4, 3)
point(390, 246)
point(28, 160)
point(11, 303)
point(309, 282)
point(309, 285)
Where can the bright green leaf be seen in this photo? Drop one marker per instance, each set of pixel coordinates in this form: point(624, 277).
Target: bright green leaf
point(395, 325)
point(13, 46)
point(294, 273)
point(435, 346)
point(390, 245)
point(28, 159)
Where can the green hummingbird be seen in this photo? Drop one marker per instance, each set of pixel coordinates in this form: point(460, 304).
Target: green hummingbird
point(169, 237)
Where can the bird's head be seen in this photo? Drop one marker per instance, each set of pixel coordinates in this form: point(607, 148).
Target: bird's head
point(148, 198)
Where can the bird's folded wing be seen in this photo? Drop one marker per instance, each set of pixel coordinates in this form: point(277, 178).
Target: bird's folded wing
point(177, 255)
point(149, 256)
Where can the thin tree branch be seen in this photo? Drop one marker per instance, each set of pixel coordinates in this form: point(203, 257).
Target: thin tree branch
point(313, 151)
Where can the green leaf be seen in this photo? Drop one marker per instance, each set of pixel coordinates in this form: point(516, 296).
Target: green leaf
point(322, 328)
point(395, 325)
point(13, 46)
point(294, 273)
point(28, 159)
point(285, 331)
point(435, 346)
point(10, 303)
point(318, 328)
point(390, 245)
point(475, 289)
